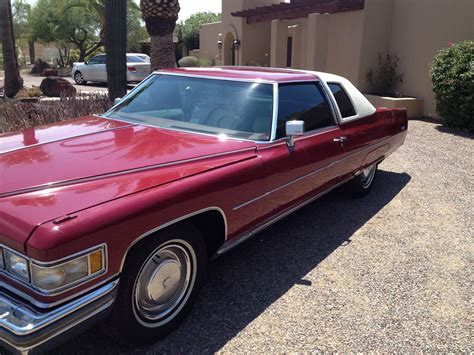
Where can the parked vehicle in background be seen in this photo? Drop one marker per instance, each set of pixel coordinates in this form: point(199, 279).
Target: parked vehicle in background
point(117, 215)
point(138, 68)
point(143, 56)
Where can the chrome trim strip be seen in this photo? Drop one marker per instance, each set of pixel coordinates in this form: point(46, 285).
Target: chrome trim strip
point(119, 173)
point(239, 239)
point(62, 289)
point(174, 221)
point(190, 75)
point(306, 175)
point(69, 137)
point(38, 304)
point(45, 319)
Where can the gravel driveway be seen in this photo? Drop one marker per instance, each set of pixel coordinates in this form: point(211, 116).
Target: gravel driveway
point(389, 272)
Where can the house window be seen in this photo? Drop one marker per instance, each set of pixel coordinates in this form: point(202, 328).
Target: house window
point(305, 102)
point(343, 101)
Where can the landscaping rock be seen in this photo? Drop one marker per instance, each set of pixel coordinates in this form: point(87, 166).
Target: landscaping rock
point(54, 86)
point(49, 72)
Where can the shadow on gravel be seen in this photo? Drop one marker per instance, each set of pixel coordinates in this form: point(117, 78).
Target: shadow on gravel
point(245, 281)
point(456, 132)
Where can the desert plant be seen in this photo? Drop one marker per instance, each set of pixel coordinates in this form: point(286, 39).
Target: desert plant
point(385, 78)
point(116, 47)
point(160, 18)
point(189, 61)
point(19, 115)
point(452, 74)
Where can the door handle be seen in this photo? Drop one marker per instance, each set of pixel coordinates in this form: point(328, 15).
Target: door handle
point(341, 140)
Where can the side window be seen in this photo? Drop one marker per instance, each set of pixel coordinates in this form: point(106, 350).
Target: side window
point(343, 101)
point(305, 102)
point(101, 59)
point(95, 60)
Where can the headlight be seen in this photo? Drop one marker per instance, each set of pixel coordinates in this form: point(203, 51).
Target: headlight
point(17, 265)
point(50, 278)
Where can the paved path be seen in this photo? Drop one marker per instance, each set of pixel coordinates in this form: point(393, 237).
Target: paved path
point(391, 272)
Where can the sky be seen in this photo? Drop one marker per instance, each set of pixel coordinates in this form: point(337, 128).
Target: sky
point(189, 7)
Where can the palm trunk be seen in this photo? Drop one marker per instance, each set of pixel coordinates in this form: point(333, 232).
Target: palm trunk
point(162, 51)
point(13, 81)
point(161, 47)
point(116, 47)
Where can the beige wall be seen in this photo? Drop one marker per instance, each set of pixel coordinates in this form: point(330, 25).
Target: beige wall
point(376, 34)
point(348, 43)
point(208, 38)
point(419, 29)
point(344, 44)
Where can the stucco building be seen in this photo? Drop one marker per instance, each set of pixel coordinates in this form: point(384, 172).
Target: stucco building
point(340, 36)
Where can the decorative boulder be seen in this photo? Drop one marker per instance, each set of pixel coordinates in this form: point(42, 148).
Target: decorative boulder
point(39, 67)
point(49, 72)
point(54, 86)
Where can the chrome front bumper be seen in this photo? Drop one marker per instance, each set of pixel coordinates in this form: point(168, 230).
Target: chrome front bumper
point(23, 328)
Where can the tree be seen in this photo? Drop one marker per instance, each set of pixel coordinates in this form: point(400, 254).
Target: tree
point(188, 31)
point(21, 13)
point(160, 18)
point(116, 47)
point(13, 81)
point(56, 21)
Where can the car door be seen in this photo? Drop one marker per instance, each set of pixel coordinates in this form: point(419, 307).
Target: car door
point(96, 70)
point(296, 173)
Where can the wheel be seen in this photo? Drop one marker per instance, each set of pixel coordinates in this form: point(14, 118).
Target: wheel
point(79, 78)
point(362, 184)
point(161, 279)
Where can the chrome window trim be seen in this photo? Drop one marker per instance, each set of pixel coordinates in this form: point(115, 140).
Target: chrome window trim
point(174, 221)
point(342, 119)
point(29, 284)
point(275, 103)
point(320, 84)
point(119, 173)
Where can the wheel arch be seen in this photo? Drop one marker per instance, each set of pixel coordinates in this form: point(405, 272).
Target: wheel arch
point(211, 222)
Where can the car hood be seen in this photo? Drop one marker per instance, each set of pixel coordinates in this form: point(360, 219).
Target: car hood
point(50, 171)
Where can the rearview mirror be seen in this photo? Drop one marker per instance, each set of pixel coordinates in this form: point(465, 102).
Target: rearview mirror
point(117, 100)
point(86, 62)
point(293, 130)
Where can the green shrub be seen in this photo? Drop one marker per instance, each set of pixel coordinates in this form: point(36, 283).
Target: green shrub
point(384, 80)
point(188, 62)
point(205, 62)
point(452, 74)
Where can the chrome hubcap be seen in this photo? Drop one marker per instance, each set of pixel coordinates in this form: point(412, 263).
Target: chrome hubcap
point(163, 283)
point(368, 175)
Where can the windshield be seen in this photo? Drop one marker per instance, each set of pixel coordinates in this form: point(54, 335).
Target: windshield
point(222, 107)
point(135, 59)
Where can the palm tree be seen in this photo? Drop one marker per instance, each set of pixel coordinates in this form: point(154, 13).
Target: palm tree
point(116, 47)
point(160, 17)
point(13, 81)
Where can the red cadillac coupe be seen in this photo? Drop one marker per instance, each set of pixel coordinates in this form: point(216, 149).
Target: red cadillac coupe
point(116, 215)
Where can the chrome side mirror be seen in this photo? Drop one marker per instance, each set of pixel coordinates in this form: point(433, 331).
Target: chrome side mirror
point(293, 130)
point(117, 100)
